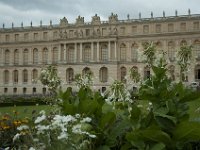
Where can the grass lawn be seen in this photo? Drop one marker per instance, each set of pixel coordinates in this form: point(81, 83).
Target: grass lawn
point(24, 111)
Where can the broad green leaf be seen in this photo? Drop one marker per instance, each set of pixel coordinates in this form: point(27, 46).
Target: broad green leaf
point(107, 119)
point(165, 123)
point(158, 146)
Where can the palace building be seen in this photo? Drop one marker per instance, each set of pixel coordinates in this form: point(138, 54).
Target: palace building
point(107, 48)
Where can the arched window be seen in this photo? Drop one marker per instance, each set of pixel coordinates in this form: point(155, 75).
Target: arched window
point(86, 53)
point(6, 77)
point(197, 49)
point(25, 76)
point(25, 57)
point(16, 57)
point(55, 55)
point(159, 45)
point(104, 52)
point(34, 76)
point(147, 73)
point(183, 43)
point(7, 56)
point(35, 56)
point(69, 75)
point(123, 74)
point(15, 76)
point(24, 90)
point(122, 52)
point(134, 53)
point(197, 72)
point(86, 70)
point(34, 91)
point(171, 70)
point(45, 56)
point(171, 51)
point(103, 74)
point(15, 90)
point(70, 54)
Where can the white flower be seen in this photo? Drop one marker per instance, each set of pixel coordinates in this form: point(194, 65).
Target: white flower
point(31, 148)
point(92, 135)
point(63, 135)
point(87, 119)
point(40, 119)
point(22, 127)
point(16, 137)
point(77, 129)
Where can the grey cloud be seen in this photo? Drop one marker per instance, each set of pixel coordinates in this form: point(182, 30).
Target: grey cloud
point(36, 10)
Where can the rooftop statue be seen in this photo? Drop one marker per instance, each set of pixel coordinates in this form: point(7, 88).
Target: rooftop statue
point(63, 22)
point(113, 18)
point(96, 20)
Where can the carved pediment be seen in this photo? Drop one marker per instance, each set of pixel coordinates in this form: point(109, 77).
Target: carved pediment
point(80, 20)
point(63, 22)
point(113, 18)
point(96, 20)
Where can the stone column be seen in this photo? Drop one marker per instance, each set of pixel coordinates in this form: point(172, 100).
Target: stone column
point(109, 51)
point(20, 56)
point(50, 55)
point(92, 51)
point(75, 52)
point(59, 53)
point(128, 52)
point(30, 56)
point(81, 52)
point(12, 56)
point(2, 57)
point(115, 51)
point(65, 52)
point(97, 51)
point(39, 56)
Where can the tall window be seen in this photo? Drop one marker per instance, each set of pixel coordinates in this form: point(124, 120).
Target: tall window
point(86, 70)
point(103, 74)
point(6, 77)
point(69, 75)
point(15, 76)
point(147, 73)
point(25, 57)
point(146, 29)
point(16, 56)
point(158, 28)
point(170, 27)
point(197, 72)
point(123, 74)
point(196, 25)
point(183, 26)
point(197, 49)
point(25, 76)
point(34, 76)
point(104, 52)
point(171, 51)
point(7, 56)
point(55, 55)
point(123, 52)
point(87, 53)
point(134, 52)
point(70, 54)
point(45, 56)
point(171, 70)
point(35, 56)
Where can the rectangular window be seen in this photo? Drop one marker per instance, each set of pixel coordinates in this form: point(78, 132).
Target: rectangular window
point(122, 30)
point(7, 38)
point(170, 27)
point(146, 29)
point(55, 34)
point(26, 36)
point(183, 26)
point(196, 25)
point(35, 36)
point(16, 37)
point(158, 28)
point(45, 34)
point(134, 29)
point(87, 32)
point(103, 31)
point(71, 33)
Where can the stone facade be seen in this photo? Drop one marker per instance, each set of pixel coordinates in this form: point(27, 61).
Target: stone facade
point(107, 48)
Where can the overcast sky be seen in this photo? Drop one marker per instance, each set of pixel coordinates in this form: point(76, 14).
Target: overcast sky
point(25, 11)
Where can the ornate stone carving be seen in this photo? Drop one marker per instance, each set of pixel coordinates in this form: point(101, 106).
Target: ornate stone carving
point(63, 35)
point(80, 20)
point(113, 18)
point(63, 22)
point(96, 20)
